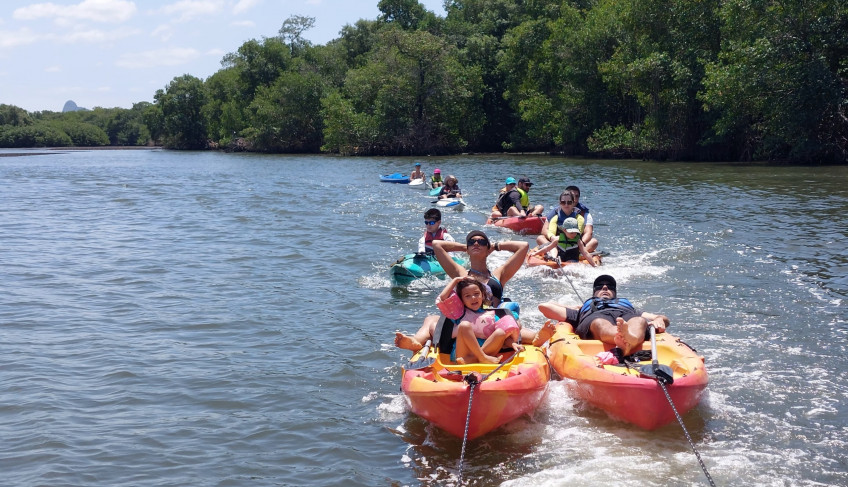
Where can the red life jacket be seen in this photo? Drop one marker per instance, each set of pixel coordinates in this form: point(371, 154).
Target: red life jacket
point(429, 237)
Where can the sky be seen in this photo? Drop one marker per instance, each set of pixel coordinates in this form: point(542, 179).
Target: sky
point(113, 53)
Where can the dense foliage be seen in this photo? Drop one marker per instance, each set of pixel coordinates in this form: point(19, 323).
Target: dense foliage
point(662, 79)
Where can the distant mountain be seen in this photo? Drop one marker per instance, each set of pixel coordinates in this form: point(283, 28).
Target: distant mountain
point(70, 106)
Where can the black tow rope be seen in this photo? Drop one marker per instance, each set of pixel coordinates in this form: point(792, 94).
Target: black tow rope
point(472, 381)
point(662, 379)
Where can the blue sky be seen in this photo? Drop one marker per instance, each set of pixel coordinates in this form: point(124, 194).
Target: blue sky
point(113, 53)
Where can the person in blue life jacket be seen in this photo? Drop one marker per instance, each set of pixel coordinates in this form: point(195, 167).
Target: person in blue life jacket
point(570, 207)
point(608, 318)
point(588, 235)
point(432, 231)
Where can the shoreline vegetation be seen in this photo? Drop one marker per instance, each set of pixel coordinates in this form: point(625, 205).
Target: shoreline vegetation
point(624, 79)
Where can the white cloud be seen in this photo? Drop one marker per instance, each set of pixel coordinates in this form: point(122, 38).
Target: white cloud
point(243, 23)
point(94, 10)
point(96, 35)
point(186, 10)
point(20, 37)
point(158, 57)
point(53, 69)
point(245, 5)
point(164, 32)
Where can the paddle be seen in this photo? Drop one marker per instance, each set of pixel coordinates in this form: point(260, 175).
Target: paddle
point(435, 191)
point(424, 360)
point(660, 373)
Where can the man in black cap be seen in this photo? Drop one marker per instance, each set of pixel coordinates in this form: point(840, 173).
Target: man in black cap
point(607, 318)
point(524, 185)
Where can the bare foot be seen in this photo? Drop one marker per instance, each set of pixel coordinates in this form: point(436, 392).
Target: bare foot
point(488, 359)
point(407, 342)
point(625, 340)
point(545, 334)
point(460, 361)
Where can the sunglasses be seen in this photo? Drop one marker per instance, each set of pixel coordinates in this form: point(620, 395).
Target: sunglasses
point(568, 202)
point(431, 222)
point(604, 285)
point(478, 241)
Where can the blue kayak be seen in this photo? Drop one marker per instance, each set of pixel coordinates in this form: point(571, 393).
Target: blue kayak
point(394, 178)
point(415, 266)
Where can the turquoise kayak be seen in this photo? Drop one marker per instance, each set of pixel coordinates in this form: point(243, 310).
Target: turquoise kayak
point(415, 266)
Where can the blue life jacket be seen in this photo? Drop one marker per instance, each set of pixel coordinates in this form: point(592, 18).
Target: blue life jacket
point(596, 304)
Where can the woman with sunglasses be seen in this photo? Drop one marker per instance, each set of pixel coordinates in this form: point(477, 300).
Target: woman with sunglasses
point(567, 209)
point(607, 318)
point(478, 248)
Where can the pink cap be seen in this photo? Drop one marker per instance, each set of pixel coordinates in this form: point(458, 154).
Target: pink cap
point(437, 171)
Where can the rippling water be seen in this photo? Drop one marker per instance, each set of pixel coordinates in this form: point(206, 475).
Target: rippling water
point(181, 319)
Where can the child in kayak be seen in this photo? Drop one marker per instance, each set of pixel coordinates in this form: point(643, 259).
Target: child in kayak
point(433, 230)
point(436, 180)
point(478, 331)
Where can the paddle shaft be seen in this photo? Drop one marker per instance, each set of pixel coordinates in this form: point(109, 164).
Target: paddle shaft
point(654, 360)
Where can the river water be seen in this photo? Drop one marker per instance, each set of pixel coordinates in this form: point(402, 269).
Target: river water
point(208, 319)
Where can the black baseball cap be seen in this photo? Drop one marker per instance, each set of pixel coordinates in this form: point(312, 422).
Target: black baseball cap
point(604, 279)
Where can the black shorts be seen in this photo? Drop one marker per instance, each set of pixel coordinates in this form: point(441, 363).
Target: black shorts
point(568, 255)
point(583, 329)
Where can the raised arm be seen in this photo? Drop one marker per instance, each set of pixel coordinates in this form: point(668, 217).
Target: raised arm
point(441, 249)
point(449, 287)
point(549, 246)
point(585, 253)
point(519, 253)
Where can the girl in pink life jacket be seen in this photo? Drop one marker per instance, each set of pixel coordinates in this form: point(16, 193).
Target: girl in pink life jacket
point(477, 331)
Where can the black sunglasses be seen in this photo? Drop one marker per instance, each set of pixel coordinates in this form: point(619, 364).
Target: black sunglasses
point(478, 241)
point(564, 202)
point(601, 286)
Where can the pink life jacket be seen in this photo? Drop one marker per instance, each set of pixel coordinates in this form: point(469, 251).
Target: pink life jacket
point(483, 321)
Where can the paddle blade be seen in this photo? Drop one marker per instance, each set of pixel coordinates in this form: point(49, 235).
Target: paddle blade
point(660, 373)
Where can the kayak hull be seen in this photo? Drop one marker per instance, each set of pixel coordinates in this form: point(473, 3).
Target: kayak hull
point(415, 266)
point(418, 184)
point(531, 225)
point(394, 178)
point(618, 390)
point(453, 203)
point(439, 394)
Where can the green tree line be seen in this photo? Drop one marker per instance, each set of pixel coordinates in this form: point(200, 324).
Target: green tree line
point(660, 79)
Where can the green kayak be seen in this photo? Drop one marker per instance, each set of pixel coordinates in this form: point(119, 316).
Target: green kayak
point(414, 266)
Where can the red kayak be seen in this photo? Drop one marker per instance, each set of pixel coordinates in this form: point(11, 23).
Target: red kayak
point(622, 391)
point(439, 393)
point(530, 225)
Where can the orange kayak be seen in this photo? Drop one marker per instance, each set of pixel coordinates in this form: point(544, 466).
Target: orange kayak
point(622, 391)
point(530, 225)
point(439, 393)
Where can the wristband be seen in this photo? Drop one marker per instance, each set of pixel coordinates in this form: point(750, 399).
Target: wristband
point(498, 246)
